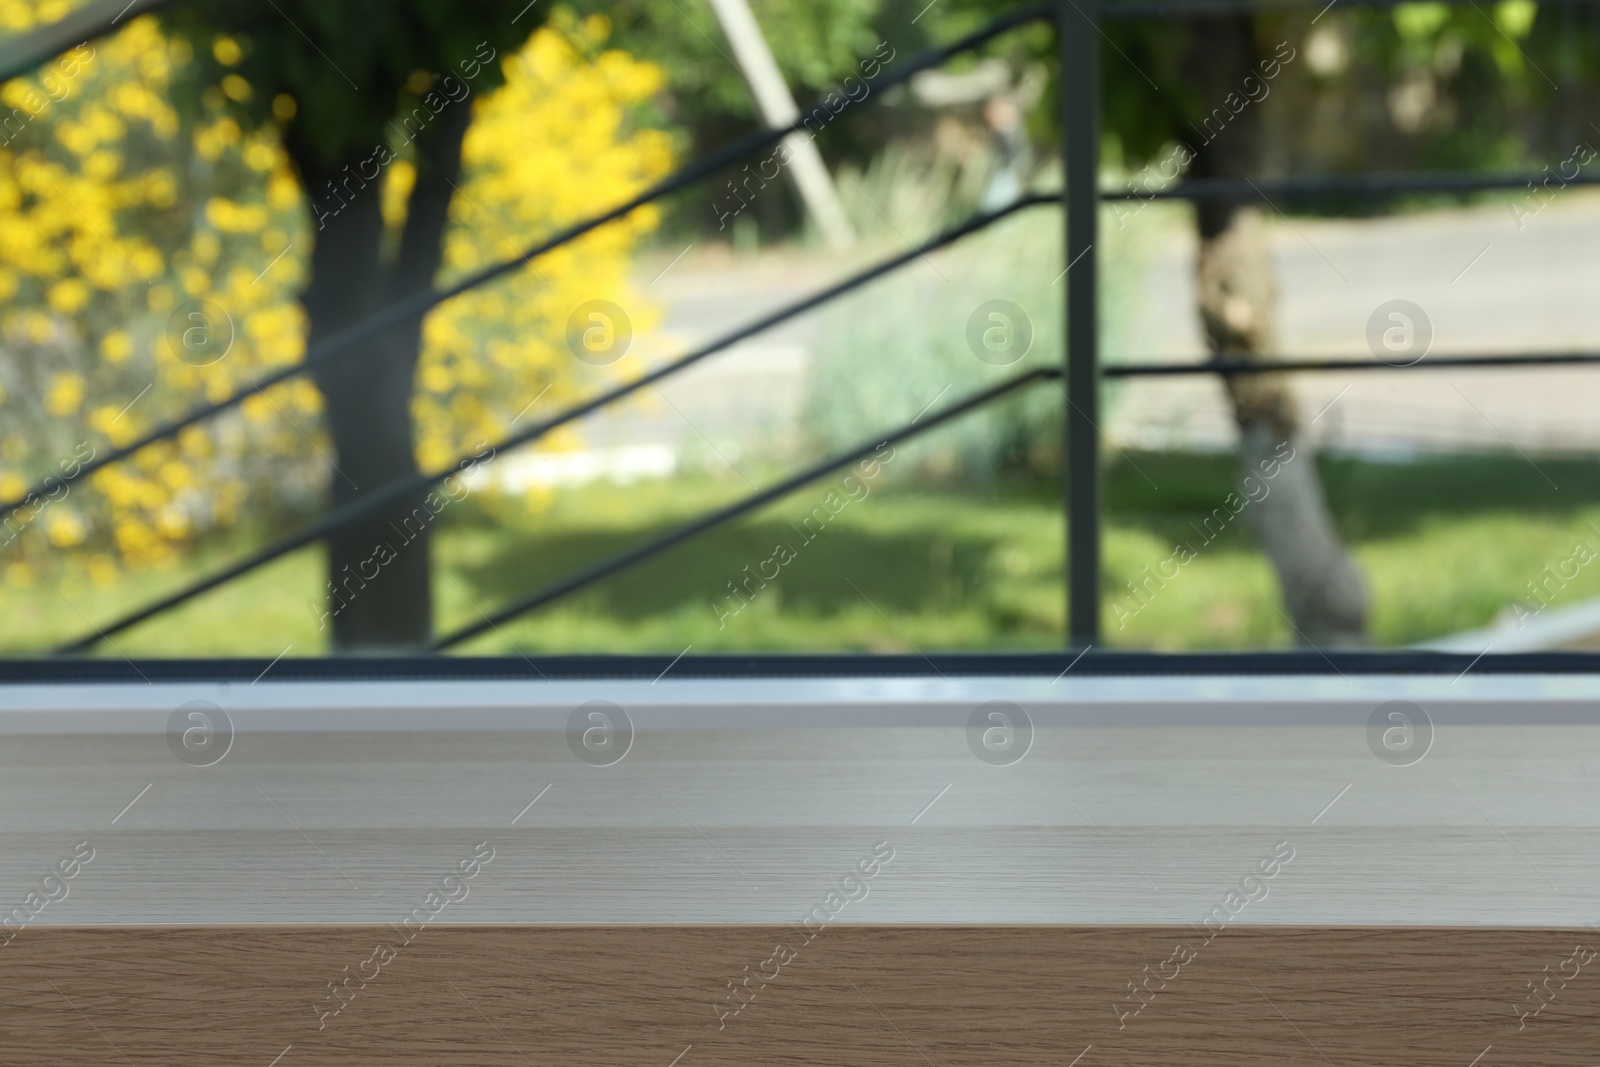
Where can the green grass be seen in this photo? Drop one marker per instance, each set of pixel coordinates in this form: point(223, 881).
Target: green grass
point(1445, 545)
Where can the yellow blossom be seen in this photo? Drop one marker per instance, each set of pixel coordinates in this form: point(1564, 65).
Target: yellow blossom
point(227, 51)
point(65, 395)
point(66, 529)
point(116, 346)
point(85, 290)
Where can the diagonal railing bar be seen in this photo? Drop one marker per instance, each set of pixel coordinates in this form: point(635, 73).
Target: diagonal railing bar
point(94, 18)
point(27, 52)
point(1232, 367)
point(422, 301)
point(97, 18)
point(356, 510)
point(605, 568)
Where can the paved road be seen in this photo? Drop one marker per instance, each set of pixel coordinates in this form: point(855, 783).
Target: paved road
point(1486, 285)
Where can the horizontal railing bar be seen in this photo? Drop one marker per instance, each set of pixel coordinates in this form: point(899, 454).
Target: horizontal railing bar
point(423, 301)
point(356, 510)
point(29, 51)
point(1119, 9)
point(464, 671)
point(1235, 367)
point(1377, 185)
point(607, 567)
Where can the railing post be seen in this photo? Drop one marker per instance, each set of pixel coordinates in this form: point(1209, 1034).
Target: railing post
point(1078, 38)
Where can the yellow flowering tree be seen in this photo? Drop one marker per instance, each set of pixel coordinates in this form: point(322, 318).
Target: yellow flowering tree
point(555, 144)
point(118, 218)
point(141, 239)
point(367, 85)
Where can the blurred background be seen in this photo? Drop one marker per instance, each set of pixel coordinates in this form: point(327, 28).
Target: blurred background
point(195, 199)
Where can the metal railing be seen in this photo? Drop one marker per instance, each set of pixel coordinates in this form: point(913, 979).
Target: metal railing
point(1078, 25)
point(365, 505)
point(421, 302)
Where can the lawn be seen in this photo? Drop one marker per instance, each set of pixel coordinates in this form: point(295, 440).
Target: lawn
point(1445, 544)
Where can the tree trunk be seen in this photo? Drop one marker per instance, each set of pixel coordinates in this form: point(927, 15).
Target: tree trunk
point(379, 596)
point(1286, 511)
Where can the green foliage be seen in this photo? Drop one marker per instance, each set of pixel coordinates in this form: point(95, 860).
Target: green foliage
point(816, 43)
point(887, 351)
point(1487, 74)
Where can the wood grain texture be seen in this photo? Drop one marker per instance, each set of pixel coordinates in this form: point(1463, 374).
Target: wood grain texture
point(896, 996)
